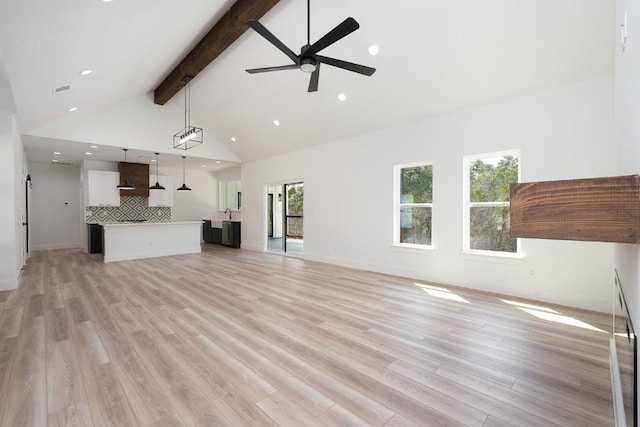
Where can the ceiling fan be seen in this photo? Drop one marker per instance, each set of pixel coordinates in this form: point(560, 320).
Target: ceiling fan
point(309, 61)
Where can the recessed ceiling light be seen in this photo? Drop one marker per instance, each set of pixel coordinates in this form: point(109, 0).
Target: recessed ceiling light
point(93, 146)
point(342, 96)
point(373, 50)
point(276, 122)
point(55, 161)
point(233, 138)
point(89, 153)
point(106, 1)
point(153, 160)
point(56, 153)
point(73, 109)
point(204, 166)
point(218, 161)
point(86, 72)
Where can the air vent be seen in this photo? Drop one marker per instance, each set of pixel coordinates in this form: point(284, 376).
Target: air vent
point(56, 162)
point(61, 89)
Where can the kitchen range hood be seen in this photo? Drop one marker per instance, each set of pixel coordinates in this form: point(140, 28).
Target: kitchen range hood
point(136, 174)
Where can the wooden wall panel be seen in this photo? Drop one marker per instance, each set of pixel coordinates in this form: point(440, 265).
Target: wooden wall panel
point(138, 175)
point(594, 209)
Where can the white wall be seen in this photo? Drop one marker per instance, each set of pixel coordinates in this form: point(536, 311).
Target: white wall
point(224, 176)
point(627, 131)
point(199, 203)
point(562, 133)
point(627, 94)
point(55, 206)
point(11, 248)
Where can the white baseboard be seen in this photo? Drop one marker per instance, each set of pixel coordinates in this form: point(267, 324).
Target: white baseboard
point(9, 284)
point(151, 254)
point(53, 246)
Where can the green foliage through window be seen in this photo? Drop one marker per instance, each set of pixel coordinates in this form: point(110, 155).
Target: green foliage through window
point(489, 214)
point(295, 199)
point(416, 197)
point(489, 182)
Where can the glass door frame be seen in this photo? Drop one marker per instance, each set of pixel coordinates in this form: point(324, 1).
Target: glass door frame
point(267, 211)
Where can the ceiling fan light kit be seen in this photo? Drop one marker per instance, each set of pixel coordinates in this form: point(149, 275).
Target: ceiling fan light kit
point(190, 136)
point(309, 61)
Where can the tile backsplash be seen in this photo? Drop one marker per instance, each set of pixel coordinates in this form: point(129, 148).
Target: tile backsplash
point(130, 209)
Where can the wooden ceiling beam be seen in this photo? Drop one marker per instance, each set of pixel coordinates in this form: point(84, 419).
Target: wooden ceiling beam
point(226, 31)
point(593, 209)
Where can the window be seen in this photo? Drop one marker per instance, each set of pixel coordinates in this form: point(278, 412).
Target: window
point(413, 204)
point(487, 222)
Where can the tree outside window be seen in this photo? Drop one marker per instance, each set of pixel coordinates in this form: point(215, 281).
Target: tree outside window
point(489, 226)
point(295, 209)
point(415, 204)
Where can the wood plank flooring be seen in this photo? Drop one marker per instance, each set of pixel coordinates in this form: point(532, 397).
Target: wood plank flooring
point(236, 338)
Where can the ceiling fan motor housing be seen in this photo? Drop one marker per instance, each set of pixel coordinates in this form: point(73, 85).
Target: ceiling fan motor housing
point(308, 65)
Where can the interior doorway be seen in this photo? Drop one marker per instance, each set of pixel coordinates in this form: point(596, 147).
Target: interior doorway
point(25, 221)
point(285, 218)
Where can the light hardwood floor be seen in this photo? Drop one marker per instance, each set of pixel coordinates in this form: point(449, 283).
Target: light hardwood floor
point(232, 337)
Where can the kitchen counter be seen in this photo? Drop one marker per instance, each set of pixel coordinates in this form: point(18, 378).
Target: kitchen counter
point(136, 240)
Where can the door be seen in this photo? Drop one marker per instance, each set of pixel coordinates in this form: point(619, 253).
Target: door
point(25, 221)
point(285, 216)
point(294, 218)
point(270, 215)
point(274, 218)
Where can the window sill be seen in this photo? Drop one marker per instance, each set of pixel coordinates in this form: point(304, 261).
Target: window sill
point(414, 249)
point(495, 257)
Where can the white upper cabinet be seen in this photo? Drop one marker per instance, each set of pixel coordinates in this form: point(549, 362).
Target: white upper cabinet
point(232, 195)
point(102, 188)
point(159, 198)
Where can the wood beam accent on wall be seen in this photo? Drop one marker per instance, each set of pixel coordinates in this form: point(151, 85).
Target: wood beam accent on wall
point(136, 174)
point(227, 30)
point(594, 209)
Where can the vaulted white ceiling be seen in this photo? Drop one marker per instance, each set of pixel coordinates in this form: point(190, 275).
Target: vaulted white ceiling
point(435, 57)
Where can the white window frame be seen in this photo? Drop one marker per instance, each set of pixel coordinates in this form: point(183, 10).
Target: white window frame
point(467, 204)
point(397, 205)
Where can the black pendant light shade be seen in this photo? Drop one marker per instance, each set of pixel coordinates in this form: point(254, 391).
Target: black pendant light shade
point(184, 186)
point(125, 185)
point(157, 185)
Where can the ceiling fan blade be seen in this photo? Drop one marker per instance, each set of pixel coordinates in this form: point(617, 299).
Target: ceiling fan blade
point(350, 66)
point(260, 29)
point(267, 69)
point(315, 76)
point(343, 29)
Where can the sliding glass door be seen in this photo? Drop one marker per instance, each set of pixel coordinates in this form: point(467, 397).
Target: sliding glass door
point(285, 218)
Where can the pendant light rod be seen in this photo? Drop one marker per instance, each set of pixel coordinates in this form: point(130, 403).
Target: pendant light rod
point(125, 185)
point(157, 185)
point(309, 22)
point(190, 136)
point(187, 102)
point(184, 174)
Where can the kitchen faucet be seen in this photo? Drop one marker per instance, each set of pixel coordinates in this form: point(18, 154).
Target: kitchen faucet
point(225, 211)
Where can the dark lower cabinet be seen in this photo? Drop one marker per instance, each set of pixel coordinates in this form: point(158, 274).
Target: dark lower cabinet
point(95, 238)
point(231, 233)
point(206, 230)
point(212, 235)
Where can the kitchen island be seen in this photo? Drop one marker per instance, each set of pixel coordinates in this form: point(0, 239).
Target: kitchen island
point(125, 241)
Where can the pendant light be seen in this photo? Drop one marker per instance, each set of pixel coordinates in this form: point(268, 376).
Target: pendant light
point(125, 185)
point(190, 136)
point(157, 185)
point(184, 186)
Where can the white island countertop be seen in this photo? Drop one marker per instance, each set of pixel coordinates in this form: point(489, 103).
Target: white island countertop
point(135, 240)
point(146, 223)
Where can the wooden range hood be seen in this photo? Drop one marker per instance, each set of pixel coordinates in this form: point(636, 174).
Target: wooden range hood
point(136, 174)
point(594, 209)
